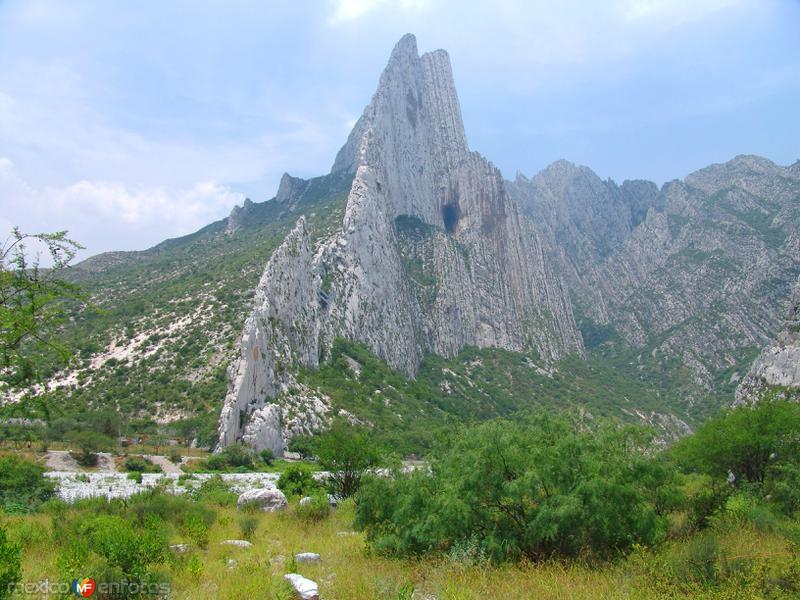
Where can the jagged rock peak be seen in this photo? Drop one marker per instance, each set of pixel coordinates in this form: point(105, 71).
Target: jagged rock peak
point(415, 104)
point(290, 187)
point(237, 216)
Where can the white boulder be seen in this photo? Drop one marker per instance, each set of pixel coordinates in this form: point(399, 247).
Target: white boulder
point(305, 588)
point(269, 499)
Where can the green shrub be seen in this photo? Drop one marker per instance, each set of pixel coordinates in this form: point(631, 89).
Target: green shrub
point(267, 457)
point(89, 444)
point(22, 484)
point(216, 492)
point(757, 444)
point(317, 509)
point(175, 455)
point(302, 445)
point(10, 565)
point(131, 550)
point(533, 487)
point(347, 453)
point(297, 481)
point(135, 476)
point(248, 524)
point(696, 560)
point(140, 464)
point(233, 457)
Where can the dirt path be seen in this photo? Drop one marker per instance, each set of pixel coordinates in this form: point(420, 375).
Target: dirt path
point(166, 464)
point(60, 460)
point(105, 463)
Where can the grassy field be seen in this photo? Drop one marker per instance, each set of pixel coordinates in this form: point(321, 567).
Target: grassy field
point(744, 562)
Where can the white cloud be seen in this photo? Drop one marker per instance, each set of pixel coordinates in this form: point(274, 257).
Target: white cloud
point(110, 215)
point(351, 10)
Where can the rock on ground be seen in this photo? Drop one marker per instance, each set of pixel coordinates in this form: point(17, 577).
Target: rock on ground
point(307, 557)
point(305, 588)
point(268, 499)
point(237, 543)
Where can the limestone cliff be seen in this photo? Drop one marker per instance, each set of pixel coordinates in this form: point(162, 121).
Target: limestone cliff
point(777, 368)
point(431, 255)
point(694, 275)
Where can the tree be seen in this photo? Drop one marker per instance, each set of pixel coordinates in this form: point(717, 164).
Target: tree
point(32, 302)
point(533, 487)
point(89, 443)
point(347, 453)
point(22, 484)
point(752, 443)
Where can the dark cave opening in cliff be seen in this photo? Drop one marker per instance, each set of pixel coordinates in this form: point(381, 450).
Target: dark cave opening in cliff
point(451, 213)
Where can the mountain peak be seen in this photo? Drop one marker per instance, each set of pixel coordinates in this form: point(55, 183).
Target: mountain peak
point(404, 49)
point(415, 106)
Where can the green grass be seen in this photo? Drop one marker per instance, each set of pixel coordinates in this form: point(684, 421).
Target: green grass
point(742, 561)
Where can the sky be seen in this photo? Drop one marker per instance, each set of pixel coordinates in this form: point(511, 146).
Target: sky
point(130, 122)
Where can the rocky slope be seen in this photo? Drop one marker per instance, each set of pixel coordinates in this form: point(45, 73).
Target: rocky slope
point(432, 256)
point(777, 368)
point(693, 276)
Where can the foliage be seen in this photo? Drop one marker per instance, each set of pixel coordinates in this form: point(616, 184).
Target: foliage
point(297, 481)
point(317, 508)
point(248, 524)
point(89, 443)
point(10, 565)
point(533, 487)
point(235, 456)
point(267, 457)
point(32, 302)
point(215, 491)
point(748, 442)
point(22, 484)
point(347, 453)
point(130, 550)
point(302, 445)
point(140, 464)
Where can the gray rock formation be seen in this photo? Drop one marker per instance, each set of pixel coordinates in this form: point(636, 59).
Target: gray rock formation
point(694, 276)
point(777, 368)
point(432, 255)
point(269, 499)
point(238, 216)
point(290, 188)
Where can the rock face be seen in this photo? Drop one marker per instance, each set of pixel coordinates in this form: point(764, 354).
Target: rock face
point(695, 274)
point(432, 255)
point(778, 366)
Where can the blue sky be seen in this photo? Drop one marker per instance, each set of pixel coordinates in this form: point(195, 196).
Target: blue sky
point(129, 122)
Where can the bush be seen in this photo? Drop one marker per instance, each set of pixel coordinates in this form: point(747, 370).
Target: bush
point(22, 484)
point(302, 445)
point(248, 524)
point(140, 464)
point(125, 548)
point(755, 444)
point(316, 510)
point(297, 481)
point(267, 457)
point(347, 453)
point(89, 443)
point(231, 458)
point(696, 560)
point(215, 491)
point(135, 476)
point(175, 455)
point(533, 488)
point(10, 565)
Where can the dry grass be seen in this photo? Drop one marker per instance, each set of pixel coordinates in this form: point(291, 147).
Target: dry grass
point(349, 572)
